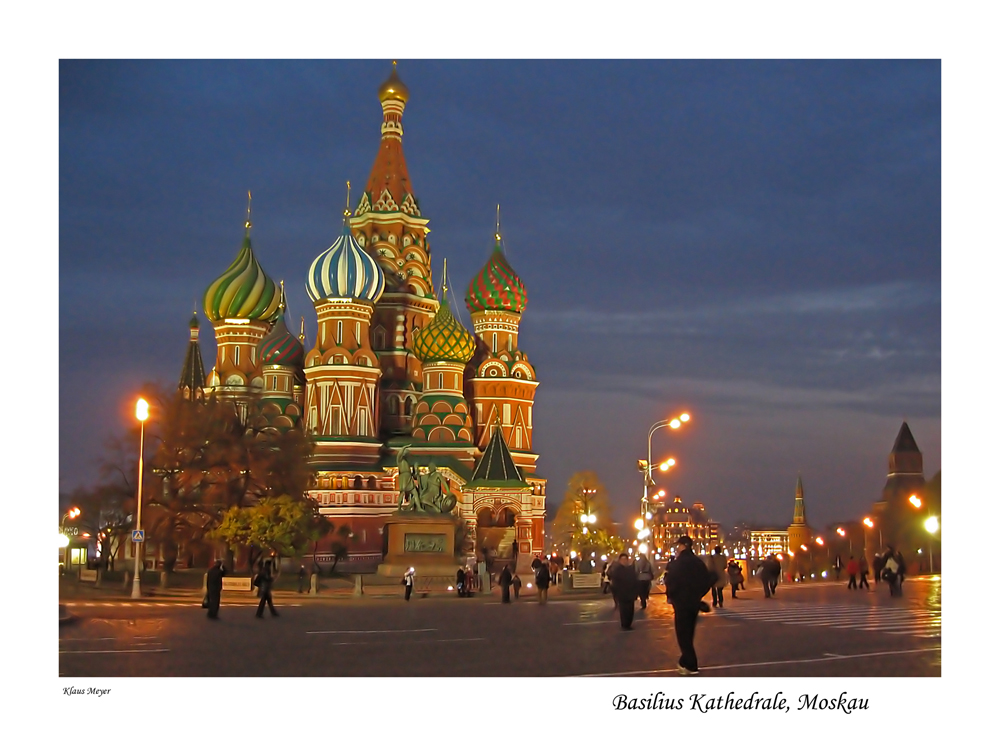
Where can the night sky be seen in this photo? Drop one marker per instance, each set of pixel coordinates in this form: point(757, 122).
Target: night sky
point(755, 242)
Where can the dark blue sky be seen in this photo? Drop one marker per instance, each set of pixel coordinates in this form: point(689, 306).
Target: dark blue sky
point(758, 243)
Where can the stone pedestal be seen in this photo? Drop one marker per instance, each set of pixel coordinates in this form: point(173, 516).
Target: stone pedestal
point(425, 542)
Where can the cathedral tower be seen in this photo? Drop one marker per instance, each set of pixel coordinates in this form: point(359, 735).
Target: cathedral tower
point(501, 381)
point(342, 371)
point(241, 305)
point(388, 223)
point(192, 383)
point(281, 360)
point(906, 467)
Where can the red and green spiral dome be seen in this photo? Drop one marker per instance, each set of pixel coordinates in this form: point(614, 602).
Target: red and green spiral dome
point(496, 286)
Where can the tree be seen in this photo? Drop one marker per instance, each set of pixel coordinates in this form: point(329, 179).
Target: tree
point(210, 460)
point(576, 502)
point(279, 525)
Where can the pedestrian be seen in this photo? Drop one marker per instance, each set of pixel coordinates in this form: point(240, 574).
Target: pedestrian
point(542, 579)
point(302, 578)
point(625, 582)
point(605, 583)
point(516, 584)
point(408, 579)
point(863, 572)
point(644, 574)
point(721, 569)
point(852, 573)
point(837, 564)
point(769, 571)
point(877, 564)
point(611, 581)
point(735, 574)
point(265, 580)
point(505, 580)
point(687, 580)
point(214, 585)
point(460, 582)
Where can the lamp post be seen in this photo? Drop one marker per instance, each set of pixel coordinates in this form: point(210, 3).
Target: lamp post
point(931, 525)
point(648, 481)
point(871, 525)
point(142, 414)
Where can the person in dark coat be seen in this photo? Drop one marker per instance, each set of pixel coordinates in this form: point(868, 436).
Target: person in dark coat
point(687, 581)
point(735, 574)
point(769, 572)
point(516, 582)
point(542, 579)
point(214, 585)
point(644, 572)
point(877, 564)
point(505, 581)
point(302, 578)
point(460, 582)
point(625, 583)
point(265, 579)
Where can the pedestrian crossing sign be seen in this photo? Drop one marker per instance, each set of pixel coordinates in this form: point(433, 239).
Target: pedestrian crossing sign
point(138, 535)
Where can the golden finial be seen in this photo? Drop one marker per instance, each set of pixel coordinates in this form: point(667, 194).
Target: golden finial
point(498, 225)
point(444, 280)
point(302, 330)
point(347, 209)
point(248, 211)
point(281, 301)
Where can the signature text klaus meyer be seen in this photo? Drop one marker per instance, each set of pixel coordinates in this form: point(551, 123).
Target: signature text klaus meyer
point(703, 703)
point(98, 691)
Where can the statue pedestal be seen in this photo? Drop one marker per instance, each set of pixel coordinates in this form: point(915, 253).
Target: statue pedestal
point(425, 542)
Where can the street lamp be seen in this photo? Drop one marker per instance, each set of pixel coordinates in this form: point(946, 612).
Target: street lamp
point(142, 414)
point(931, 525)
point(871, 525)
point(850, 542)
point(648, 481)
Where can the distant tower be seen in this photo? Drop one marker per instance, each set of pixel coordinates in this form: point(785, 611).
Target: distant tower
point(342, 371)
point(241, 304)
point(281, 360)
point(388, 224)
point(501, 381)
point(442, 417)
point(192, 383)
point(906, 467)
point(799, 533)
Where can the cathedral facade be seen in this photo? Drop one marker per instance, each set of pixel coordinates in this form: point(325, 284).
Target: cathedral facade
point(390, 367)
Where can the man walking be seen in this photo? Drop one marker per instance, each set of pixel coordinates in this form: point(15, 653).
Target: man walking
point(852, 573)
point(505, 581)
point(265, 579)
point(863, 572)
point(302, 578)
point(721, 570)
point(214, 585)
point(625, 582)
point(542, 578)
point(687, 580)
point(644, 574)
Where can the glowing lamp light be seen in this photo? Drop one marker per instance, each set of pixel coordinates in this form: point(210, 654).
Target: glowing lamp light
point(841, 532)
point(572, 554)
point(868, 522)
point(142, 410)
point(917, 503)
point(804, 548)
point(592, 519)
point(529, 585)
point(643, 548)
point(63, 541)
point(675, 423)
point(638, 524)
point(819, 541)
point(931, 524)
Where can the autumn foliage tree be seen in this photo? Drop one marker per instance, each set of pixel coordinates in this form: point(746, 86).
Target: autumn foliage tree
point(594, 501)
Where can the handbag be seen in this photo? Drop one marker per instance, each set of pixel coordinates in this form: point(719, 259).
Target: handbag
point(204, 601)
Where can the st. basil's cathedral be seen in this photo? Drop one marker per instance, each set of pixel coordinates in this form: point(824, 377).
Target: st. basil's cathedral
point(390, 367)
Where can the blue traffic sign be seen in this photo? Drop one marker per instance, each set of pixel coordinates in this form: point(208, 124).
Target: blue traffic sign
point(138, 535)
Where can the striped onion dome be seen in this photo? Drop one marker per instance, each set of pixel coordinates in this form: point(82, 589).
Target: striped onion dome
point(345, 270)
point(496, 286)
point(280, 347)
point(243, 291)
point(444, 339)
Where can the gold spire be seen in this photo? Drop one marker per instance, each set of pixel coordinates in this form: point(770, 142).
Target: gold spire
point(444, 280)
point(302, 331)
point(347, 209)
point(498, 224)
point(249, 225)
point(281, 301)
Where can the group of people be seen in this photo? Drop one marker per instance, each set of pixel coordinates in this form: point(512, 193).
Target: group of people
point(263, 581)
point(509, 579)
point(467, 582)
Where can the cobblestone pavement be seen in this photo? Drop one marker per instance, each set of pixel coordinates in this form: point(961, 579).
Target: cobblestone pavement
point(806, 630)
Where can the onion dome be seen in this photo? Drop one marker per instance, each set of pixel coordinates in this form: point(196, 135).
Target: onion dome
point(243, 291)
point(279, 347)
point(393, 88)
point(496, 286)
point(345, 271)
point(444, 339)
